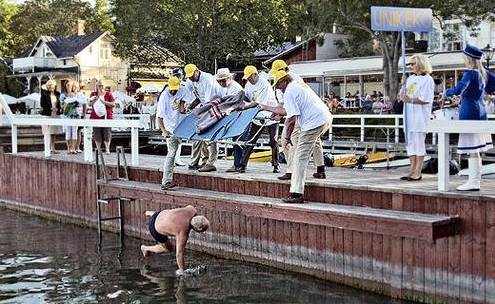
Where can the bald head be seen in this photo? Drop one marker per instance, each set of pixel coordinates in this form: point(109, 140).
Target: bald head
point(199, 223)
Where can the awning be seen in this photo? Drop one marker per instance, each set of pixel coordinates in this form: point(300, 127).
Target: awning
point(370, 65)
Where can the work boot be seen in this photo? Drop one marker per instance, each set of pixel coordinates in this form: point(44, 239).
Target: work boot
point(474, 177)
point(320, 172)
point(294, 198)
point(194, 167)
point(207, 168)
point(276, 169)
point(286, 176)
point(168, 186)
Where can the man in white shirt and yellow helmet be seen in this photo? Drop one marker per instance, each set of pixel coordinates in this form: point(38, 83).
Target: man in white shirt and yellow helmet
point(304, 109)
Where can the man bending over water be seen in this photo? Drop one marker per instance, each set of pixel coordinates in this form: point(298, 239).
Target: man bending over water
point(174, 222)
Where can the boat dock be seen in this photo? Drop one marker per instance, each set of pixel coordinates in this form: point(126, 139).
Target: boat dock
point(362, 228)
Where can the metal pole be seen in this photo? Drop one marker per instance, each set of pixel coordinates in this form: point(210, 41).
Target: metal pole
point(403, 42)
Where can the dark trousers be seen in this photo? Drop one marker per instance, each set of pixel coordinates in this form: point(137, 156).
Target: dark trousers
point(241, 156)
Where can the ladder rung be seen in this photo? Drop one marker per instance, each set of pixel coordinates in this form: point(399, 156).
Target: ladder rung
point(110, 218)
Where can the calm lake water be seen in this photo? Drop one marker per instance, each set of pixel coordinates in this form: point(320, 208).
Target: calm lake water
point(49, 262)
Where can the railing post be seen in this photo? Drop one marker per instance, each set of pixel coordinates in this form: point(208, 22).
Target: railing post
point(362, 129)
point(396, 130)
point(88, 144)
point(47, 138)
point(134, 146)
point(443, 161)
point(14, 139)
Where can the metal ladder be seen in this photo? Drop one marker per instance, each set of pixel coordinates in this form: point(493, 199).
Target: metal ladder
point(102, 174)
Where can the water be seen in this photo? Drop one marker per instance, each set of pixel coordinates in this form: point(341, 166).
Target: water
point(49, 262)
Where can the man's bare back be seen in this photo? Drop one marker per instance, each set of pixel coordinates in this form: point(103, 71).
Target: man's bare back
point(174, 222)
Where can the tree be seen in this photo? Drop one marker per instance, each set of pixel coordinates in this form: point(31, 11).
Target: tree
point(354, 15)
point(101, 19)
point(7, 10)
point(204, 31)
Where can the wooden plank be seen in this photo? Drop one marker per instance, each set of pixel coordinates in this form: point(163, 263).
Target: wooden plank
point(348, 246)
point(490, 249)
point(279, 238)
point(397, 266)
point(296, 244)
point(357, 255)
point(272, 239)
point(479, 248)
point(466, 250)
point(304, 245)
point(442, 255)
point(454, 259)
point(408, 264)
point(368, 257)
point(264, 236)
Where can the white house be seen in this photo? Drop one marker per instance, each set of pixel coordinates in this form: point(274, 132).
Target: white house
point(83, 57)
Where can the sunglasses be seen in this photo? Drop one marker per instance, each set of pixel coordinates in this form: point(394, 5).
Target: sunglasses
point(410, 63)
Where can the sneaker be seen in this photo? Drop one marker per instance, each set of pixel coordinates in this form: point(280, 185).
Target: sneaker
point(207, 168)
point(194, 167)
point(231, 169)
point(320, 175)
point(168, 185)
point(276, 169)
point(286, 176)
point(294, 198)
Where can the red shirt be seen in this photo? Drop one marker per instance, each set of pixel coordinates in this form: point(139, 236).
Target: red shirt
point(108, 97)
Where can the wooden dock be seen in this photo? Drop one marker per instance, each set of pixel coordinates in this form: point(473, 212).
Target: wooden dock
point(360, 227)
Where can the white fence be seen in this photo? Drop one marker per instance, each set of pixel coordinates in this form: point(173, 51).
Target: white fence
point(362, 126)
point(20, 120)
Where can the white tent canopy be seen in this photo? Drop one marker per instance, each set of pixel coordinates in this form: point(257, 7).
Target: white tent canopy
point(32, 100)
point(369, 65)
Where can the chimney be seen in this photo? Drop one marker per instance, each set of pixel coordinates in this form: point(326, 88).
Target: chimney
point(80, 27)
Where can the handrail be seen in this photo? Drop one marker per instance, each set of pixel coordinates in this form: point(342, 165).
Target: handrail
point(18, 120)
point(446, 127)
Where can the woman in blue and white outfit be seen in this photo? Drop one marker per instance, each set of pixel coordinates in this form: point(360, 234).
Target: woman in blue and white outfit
point(418, 100)
point(475, 82)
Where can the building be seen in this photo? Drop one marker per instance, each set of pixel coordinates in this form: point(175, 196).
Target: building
point(454, 35)
point(87, 58)
point(319, 47)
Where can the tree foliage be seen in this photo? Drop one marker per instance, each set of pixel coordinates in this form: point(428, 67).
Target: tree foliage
point(7, 11)
point(354, 17)
point(205, 31)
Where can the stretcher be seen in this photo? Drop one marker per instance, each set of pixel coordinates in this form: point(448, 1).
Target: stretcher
point(228, 127)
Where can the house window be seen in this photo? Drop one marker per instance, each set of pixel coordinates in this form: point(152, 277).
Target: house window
point(452, 37)
point(105, 51)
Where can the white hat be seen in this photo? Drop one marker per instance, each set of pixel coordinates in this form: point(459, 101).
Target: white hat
point(223, 73)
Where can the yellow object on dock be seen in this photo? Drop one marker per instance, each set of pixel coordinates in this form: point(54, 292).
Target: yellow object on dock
point(259, 157)
point(349, 160)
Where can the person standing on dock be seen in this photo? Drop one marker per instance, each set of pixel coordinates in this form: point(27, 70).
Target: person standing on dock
point(205, 88)
point(475, 82)
point(280, 65)
point(305, 109)
point(258, 91)
point(418, 99)
point(174, 223)
point(171, 110)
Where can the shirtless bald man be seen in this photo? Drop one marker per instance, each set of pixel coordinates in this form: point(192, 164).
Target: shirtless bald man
point(174, 222)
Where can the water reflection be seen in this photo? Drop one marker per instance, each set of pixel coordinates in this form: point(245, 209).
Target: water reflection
point(50, 262)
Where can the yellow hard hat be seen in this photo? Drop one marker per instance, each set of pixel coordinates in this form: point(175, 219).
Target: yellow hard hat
point(278, 65)
point(173, 83)
point(190, 69)
point(277, 75)
point(249, 70)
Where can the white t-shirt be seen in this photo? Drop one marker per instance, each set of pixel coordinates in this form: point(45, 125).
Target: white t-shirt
point(300, 100)
point(418, 115)
point(206, 88)
point(296, 78)
point(232, 88)
point(262, 93)
point(169, 105)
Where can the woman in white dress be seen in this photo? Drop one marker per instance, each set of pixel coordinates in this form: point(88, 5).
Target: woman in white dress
point(418, 99)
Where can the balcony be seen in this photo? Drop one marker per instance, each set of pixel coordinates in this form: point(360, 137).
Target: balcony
point(35, 64)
